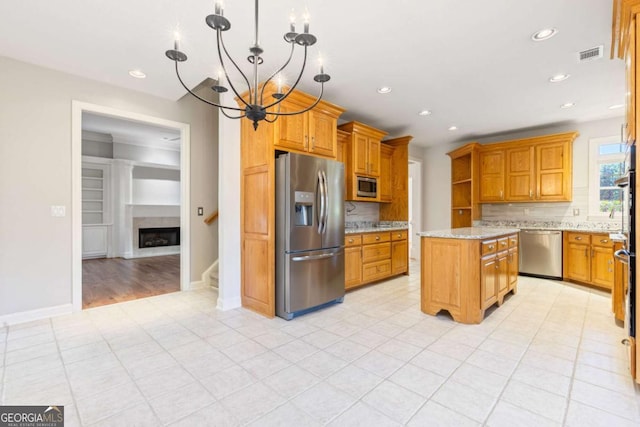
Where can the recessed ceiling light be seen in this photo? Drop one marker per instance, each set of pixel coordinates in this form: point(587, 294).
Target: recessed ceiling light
point(559, 77)
point(453, 128)
point(544, 34)
point(424, 113)
point(568, 105)
point(137, 74)
point(615, 106)
point(384, 89)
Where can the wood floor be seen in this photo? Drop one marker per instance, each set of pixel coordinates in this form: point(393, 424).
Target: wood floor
point(110, 280)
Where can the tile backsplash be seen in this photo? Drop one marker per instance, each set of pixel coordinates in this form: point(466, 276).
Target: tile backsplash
point(361, 212)
point(559, 214)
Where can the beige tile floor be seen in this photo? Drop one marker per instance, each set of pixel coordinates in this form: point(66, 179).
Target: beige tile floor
point(549, 356)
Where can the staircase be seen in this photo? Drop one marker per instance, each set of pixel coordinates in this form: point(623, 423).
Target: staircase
point(210, 275)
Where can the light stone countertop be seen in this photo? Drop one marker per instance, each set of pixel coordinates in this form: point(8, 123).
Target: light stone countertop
point(469, 232)
point(618, 237)
point(373, 229)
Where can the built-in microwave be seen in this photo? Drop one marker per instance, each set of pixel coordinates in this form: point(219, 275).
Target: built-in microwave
point(367, 187)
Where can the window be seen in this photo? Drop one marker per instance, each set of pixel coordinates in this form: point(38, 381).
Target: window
point(606, 165)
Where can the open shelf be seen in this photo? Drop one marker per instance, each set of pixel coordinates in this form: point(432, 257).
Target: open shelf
point(464, 183)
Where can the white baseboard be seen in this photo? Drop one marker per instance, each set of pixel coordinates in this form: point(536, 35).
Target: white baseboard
point(229, 303)
point(199, 284)
point(41, 313)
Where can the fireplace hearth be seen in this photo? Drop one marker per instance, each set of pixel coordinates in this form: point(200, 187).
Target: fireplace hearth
point(159, 236)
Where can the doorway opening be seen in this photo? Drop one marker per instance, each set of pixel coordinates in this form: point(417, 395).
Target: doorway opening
point(415, 206)
point(130, 205)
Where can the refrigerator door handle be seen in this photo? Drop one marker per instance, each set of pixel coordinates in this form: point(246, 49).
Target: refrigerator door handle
point(326, 202)
point(313, 257)
point(323, 206)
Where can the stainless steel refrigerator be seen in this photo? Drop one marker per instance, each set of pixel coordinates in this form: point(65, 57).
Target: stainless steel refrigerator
point(309, 233)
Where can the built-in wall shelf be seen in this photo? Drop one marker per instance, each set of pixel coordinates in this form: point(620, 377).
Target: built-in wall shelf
point(464, 186)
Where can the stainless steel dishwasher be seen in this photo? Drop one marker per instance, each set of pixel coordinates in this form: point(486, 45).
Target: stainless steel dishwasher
point(541, 253)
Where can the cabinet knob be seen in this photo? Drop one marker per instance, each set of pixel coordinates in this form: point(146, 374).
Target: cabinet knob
point(503, 243)
point(399, 235)
point(579, 238)
point(491, 247)
point(604, 241)
point(350, 240)
point(377, 237)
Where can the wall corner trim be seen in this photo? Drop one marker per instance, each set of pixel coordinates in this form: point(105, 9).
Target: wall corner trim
point(228, 304)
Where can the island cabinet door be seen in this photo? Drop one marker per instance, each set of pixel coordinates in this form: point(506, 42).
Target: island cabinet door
point(502, 272)
point(489, 281)
point(512, 266)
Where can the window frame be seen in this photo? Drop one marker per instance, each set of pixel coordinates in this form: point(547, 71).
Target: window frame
point(595, 159)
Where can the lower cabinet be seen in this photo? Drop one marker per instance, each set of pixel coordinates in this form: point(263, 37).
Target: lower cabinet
point(352, 266)
point(375, 256)
point(588, 258)
point(467, 276)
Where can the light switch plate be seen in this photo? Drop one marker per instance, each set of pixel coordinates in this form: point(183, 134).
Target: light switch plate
point(200, 211)
point(58, 211)
point(576, 212)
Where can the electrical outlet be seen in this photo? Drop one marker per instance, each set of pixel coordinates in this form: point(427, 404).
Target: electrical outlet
point(200, 211)
point(58, 211)
point(526, 211)
point(576, 212)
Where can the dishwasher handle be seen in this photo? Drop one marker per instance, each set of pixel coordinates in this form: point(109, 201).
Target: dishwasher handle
point(544, 232)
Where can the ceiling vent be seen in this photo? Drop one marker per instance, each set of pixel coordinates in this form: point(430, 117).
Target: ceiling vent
point(591, 54)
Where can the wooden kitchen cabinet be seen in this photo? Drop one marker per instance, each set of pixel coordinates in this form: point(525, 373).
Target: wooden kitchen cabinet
point(489, 281)
point(352, 266)
point(312, 132)
point(513, 266)
point(399, 252)
point(492, 175)
point(342, 139)
point(363, 156)
point(464, 186)
point(374, 256)
point(535, 169)
point(397, 209)
point(495, 271)
point(385, 190)
point(466, 276)
point(520, 173)
point(554, 172)
point(588, 258)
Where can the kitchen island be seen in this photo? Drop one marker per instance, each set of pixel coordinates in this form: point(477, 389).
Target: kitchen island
point(466, 270)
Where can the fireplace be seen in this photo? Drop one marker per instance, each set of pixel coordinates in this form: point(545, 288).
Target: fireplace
point(162, 236)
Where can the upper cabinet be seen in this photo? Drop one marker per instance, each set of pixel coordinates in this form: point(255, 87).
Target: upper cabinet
point(625, 46)
point(492, 175)
point(311, 132)
point(362, 156)
point(386, 172)
point(527, 170)
point(364, 149)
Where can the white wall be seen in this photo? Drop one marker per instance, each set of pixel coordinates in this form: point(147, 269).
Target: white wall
point(229, 275)
point(146, 154)
point(35, 173)
point(437, 181)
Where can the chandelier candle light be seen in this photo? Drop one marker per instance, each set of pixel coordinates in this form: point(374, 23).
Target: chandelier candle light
point(255, 109)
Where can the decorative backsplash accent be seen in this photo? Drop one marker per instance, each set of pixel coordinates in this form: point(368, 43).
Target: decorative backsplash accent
point(361, 211)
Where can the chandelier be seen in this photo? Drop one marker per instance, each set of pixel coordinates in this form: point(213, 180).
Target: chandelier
point(255, 107)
